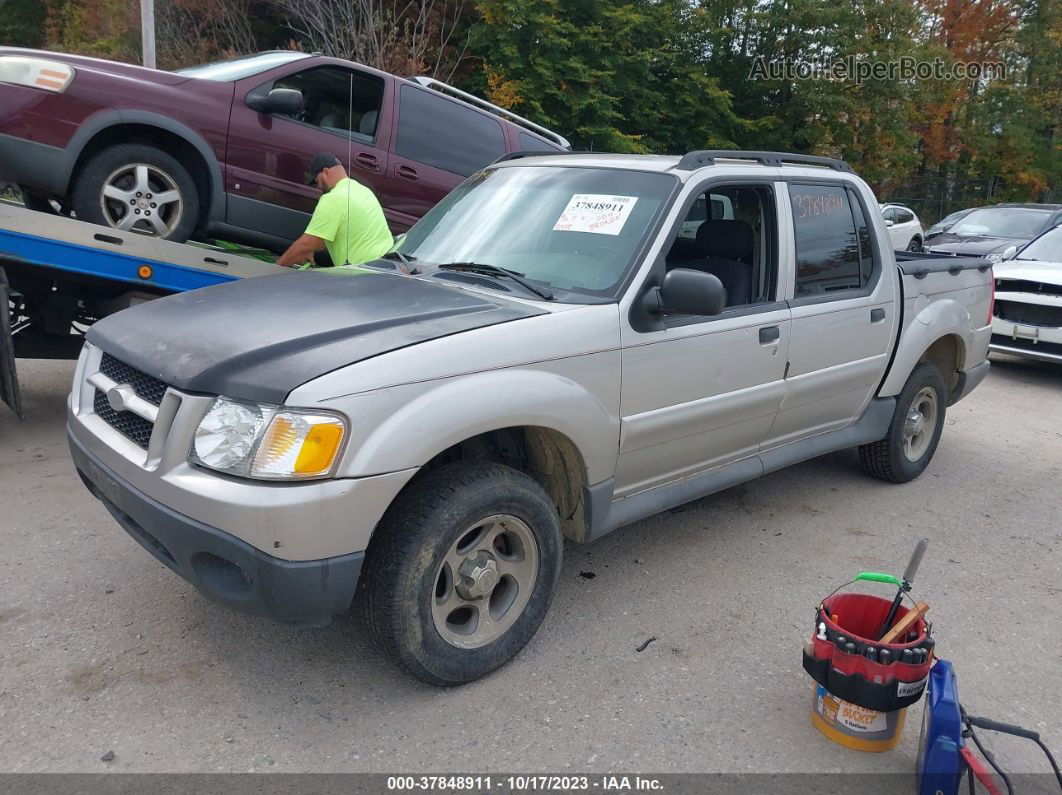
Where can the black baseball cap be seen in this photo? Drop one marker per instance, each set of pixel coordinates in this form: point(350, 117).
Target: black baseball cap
point(318, 163)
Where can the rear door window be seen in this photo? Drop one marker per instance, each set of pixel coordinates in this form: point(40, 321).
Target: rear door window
point(439, 132)
point(831, 255)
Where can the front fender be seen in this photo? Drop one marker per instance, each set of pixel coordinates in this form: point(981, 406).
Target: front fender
point(457, 409)
point(938, 319)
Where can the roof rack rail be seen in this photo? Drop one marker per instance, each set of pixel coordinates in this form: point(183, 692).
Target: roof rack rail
point(446, 88)
point(707, 157)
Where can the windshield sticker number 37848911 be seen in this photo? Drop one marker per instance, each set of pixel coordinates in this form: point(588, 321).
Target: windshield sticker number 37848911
point(596, 213)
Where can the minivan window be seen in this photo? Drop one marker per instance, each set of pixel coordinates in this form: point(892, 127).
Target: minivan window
point(567, 228)
point(827, 249)
point(337, 100)
point(529, 143)
point(439, 132)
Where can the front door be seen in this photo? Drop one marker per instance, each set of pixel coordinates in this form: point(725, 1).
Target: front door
point(268, 154)
point(703, 391)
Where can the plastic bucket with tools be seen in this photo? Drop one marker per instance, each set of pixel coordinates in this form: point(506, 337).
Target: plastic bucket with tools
point(870, 659)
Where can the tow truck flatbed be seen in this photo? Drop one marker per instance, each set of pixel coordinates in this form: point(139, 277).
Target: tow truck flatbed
point(58, 275)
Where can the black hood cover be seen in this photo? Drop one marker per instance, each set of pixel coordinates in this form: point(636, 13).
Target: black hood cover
point(259, 338)
point(970, 245)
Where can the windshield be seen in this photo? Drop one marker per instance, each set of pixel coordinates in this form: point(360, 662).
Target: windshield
point(567, 228)
point(239, 68)
point(1003, 222)
point(1046, 248)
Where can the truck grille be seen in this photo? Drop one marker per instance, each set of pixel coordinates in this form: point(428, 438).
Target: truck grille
point(146, 387)
point(130, 425)
point(1029, 314)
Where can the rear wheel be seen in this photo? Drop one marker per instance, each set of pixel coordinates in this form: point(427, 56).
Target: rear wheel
point(914, 432)
point(462, 571)
point(137, 188)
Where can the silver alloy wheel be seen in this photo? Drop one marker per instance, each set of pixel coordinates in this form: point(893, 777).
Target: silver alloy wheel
point(920, 424)
point(485, 581)
point(142, 198)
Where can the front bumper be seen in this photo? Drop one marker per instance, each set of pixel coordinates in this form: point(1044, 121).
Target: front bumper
point(222, 567)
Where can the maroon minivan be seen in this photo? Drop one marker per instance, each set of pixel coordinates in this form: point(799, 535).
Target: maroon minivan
point(221, 150)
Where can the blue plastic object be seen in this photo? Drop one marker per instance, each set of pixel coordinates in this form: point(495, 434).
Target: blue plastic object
point(940, 767)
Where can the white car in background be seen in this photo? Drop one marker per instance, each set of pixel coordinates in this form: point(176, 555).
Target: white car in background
point(905, 229)
point(1027, 319)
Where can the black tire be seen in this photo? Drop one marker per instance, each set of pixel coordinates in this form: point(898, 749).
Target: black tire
point(87, 194)
point(915, 245)
point(400, 577)
point(887, 459)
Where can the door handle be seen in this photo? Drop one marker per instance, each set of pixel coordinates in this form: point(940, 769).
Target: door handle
point(877, 315)
point(365, 160)
point(769, 335)
point(407, 173)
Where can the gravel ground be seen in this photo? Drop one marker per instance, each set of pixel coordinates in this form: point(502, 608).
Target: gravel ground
point(102, 649)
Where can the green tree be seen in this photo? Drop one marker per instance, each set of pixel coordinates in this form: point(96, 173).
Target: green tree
point(22, 23)
point(617, 76)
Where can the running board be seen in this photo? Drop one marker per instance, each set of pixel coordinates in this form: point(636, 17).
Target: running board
point(607, 515)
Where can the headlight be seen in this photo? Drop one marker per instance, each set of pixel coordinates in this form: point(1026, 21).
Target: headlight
point(267, 442)
point(994, 258)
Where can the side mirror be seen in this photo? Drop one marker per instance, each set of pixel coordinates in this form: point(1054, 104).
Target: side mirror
point(286, 101)
point(889, 223)
point(1009, 252)
point(686, 292)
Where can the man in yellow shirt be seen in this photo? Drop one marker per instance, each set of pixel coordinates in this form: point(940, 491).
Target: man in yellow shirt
point(348, 219)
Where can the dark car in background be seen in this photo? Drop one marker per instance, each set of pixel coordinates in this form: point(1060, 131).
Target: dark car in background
point(945, 223)
point(221, 150)
point(991, 231)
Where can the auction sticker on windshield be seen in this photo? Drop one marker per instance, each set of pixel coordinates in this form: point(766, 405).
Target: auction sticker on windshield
point(596, 213)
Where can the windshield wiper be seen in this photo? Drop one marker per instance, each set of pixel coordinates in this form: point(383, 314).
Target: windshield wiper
point(494, 270)
point(411, 269)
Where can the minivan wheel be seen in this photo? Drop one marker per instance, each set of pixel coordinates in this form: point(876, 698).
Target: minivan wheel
point(137, 188)
point(462, 570)
point(914, 432)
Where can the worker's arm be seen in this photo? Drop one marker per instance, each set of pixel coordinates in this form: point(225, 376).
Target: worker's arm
point(302, 250)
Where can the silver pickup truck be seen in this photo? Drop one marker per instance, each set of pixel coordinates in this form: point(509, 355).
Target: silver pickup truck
point(565, 345)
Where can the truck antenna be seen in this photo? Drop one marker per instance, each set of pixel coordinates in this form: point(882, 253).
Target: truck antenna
point(350, 166)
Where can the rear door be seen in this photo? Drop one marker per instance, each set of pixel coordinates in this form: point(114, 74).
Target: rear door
point(438, 142)
point(843, 306)
point(268, 154)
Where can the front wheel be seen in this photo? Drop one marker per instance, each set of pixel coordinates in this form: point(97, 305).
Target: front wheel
point(462, 570)
point(915, 245)
point(137, 188)
point(914, 432)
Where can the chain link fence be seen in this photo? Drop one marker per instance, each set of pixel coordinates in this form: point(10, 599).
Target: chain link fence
point(932, 198)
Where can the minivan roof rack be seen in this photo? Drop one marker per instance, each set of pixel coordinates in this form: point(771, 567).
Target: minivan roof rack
point(472, 99)
point(707, 157)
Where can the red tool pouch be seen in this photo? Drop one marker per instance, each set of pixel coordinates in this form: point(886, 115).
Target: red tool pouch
point(852, 675)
